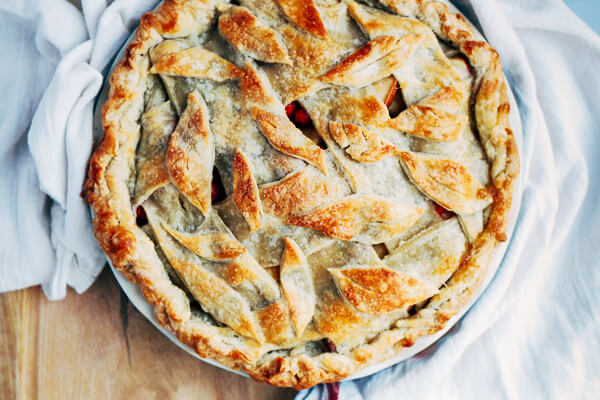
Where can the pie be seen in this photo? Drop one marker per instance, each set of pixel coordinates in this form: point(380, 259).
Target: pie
point(302, 188)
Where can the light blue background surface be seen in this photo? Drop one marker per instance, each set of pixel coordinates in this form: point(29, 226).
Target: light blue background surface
point(588, 10)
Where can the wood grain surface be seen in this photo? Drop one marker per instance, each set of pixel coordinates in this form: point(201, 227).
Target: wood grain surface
point(98, 346)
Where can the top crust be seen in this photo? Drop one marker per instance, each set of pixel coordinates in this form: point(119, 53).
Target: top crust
point(305, 14)
point(250, 36)
point(374, 61)
point(196, 63)
point(190, 156)
point(363, 289)
point(330, 283)
point(245, 191)
point(360, 218)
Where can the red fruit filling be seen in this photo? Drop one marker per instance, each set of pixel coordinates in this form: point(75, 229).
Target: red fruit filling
point(141, 218)
point(301, 117)
point(297, 114)
point(442, 212)
point(329, 345)
point(214, 191)
point(290, 108)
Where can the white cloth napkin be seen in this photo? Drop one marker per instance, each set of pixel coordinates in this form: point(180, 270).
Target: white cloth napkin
point(533, 334)
point(52, 60)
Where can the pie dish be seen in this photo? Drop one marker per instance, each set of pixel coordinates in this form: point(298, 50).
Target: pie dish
point(302, 189)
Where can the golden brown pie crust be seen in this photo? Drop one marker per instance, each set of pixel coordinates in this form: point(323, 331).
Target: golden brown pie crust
point(270, 358)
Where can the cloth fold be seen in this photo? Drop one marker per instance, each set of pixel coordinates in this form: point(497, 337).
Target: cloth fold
point(59, 57)
point(533, 333)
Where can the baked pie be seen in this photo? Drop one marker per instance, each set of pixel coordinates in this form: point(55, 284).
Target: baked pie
point(302, 188)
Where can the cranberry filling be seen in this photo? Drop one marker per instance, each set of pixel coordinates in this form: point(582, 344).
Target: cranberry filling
point(214, 192)
point(290, 108)
point(141, 218)
point(329, 345)
point(298, 115)
point(301, 117)
point(442, 212)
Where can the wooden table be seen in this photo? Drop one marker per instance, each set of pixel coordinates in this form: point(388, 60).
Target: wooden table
point(98, 346)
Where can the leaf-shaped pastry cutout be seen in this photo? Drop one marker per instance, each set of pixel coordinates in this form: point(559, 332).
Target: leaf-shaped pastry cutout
point(384, 90)
point(360, 143)
point(374, 61)
point(259, 276)
point(219, 299)
point(446, 182)
point(213, 241)
point(212, 246)
point(429, 122)
point(245, 191)
point(252, 37)
point(375, 22)
point(297, 285)
point(363, 219)
point(175, 209)
point(301, 191)
point(167, 47)
point(305, 14)
point(260, 98)
point(266, 244)
point(191, 154)
point(196, 62)
point(257, 91)
point(379, 290)
point(448, 99)
point(276, 324)
point(431, 255)
point(365, 110)
point(302, 89)
point(157, 125)
point(247, 266)
point(437, 117)
point(246, 270)
point(288, 139)
point(212, 292)
point(263, 103)
point(431, 64)
point(177, 96)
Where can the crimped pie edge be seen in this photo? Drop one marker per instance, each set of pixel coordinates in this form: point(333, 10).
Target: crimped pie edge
point(128, 247)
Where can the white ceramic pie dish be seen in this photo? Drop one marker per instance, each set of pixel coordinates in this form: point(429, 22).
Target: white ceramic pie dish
point(134, 293)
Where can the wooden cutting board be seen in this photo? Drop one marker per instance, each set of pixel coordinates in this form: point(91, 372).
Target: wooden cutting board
point(97, 346)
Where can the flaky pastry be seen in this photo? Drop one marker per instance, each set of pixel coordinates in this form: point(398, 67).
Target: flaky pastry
point(302, 188)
